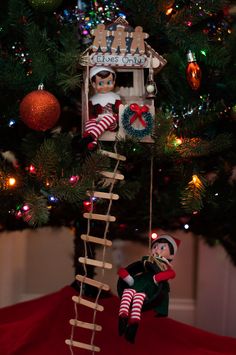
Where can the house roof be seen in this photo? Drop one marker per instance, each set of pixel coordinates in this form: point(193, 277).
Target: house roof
point(150, 58)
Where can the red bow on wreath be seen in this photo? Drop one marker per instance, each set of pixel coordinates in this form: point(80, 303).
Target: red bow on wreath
point(139, 110)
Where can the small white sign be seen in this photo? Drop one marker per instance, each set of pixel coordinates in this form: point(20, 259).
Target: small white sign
point(128, 60)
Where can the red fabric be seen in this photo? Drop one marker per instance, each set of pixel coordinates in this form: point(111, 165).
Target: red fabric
point(164, 275)
point(40, 327)
point(122, 272)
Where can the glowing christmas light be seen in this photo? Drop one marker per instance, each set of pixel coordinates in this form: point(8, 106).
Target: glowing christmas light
point(196, 182)
point(193, 71)
point(52, 199)
point(18, 214)
point(179, 141)
point(11, 123)
point(154, 235)
point(11, 181)
point(74, 179)
point(169, 11)
point(32, 169)
point(25, 208)
point(87, 206)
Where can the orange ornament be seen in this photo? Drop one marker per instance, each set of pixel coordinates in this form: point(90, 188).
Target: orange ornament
point(40, 110)
point(193, 72)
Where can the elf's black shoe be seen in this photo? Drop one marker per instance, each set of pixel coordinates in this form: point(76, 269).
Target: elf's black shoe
point(131, 332)
point(123, 321)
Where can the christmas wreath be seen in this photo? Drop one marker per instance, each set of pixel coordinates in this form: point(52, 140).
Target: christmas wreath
point(135, 112)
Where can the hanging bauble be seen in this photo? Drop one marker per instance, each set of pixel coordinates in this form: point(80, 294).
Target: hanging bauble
point(193, 71)
point(45, 5)
point(40, 110)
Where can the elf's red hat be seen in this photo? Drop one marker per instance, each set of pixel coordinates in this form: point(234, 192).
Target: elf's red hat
point(174, 241)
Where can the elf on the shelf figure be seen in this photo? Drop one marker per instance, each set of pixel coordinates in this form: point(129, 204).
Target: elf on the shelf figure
point(143, 280)
point(103, 105)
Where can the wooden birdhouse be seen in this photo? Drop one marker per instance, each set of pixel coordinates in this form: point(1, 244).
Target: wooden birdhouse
point(121, 49)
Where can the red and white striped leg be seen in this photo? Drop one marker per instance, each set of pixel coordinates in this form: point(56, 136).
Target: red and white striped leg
point(137, 305)
point(125, 303)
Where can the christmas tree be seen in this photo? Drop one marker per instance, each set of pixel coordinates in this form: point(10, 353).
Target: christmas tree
point(44, 179)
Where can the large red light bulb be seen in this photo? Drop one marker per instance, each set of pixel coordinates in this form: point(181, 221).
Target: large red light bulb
point(193, 71)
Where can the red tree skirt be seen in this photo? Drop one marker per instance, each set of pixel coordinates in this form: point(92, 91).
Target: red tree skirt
point(40, 327)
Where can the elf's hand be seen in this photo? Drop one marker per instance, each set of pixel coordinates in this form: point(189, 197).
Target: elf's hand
point(125, 276)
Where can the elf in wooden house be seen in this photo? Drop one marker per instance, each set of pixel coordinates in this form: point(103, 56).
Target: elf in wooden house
point(144, 285)
point(103, 105)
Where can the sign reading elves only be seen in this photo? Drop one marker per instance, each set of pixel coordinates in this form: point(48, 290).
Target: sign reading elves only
point(119, 60)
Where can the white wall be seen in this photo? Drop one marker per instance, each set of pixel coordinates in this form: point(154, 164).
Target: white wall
point(216, 291)
point(35, 263)
point(12, 267)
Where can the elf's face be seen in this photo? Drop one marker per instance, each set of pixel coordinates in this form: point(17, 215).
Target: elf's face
point(161, 249)
point(103, 86)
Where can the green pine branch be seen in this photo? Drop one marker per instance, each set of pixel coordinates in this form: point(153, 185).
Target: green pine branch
point(193, 195)
point(37, 213)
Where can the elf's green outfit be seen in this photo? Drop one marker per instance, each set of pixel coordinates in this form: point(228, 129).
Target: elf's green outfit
point(144, 284)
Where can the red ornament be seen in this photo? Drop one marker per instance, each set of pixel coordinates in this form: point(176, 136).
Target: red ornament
point(193, 72)
point(87, 206)
point(40, 110)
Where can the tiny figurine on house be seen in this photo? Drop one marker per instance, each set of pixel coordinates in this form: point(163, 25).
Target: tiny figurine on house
point(144, 285)
point(119, 43)
point(99, 42)
point(138, 40)
point(103, 105)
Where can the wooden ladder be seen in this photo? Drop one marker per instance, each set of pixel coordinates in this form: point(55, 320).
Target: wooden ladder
point(104, 242)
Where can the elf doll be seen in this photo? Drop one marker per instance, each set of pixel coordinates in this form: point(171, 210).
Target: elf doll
point(146, 282)
point(103, 105)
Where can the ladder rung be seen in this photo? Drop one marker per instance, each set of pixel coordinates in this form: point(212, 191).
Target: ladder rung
point(113, 155)
point(100, 217)
point(106, 195)
point(92, 282)
point(97, 263)
point(80, 300)
point(111, 175)
point(78, 344)
point(89, 238)
point(85, 325)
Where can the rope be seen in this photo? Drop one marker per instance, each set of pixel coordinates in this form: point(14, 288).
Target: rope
point(104, 247)
point(150, 204)
point(86, 89)
point(76, 317)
